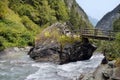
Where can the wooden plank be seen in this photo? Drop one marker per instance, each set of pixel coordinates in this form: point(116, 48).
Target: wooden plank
point(99, 37)
point(97, 34)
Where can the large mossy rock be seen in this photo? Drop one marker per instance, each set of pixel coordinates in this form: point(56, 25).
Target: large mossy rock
point(58, 44)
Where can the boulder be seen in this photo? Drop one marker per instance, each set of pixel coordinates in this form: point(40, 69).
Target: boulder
point(107, 73)
point(104, 61)
point(69, 53)
point(50, 49)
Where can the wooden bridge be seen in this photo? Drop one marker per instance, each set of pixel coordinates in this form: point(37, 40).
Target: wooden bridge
point(97, 34)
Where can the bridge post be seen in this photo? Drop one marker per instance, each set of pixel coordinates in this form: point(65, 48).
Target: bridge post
point(81, 31)
point(95, 32)
point(109, 35)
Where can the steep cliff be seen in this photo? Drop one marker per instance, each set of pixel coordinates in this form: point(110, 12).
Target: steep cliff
point(106, 23)
point(78, 9)
point(77, 15)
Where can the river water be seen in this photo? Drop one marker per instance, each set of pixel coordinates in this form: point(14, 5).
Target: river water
point(19, 66)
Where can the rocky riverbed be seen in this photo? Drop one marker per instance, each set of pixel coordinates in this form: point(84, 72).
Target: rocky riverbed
point(15, 64)
point(103, 72)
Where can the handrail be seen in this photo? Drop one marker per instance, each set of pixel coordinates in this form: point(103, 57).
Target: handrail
point(96, 32)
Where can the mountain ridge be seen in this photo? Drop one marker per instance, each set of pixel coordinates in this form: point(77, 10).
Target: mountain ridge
point(106, 23)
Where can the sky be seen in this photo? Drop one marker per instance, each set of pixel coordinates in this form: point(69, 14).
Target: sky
point(98, 8)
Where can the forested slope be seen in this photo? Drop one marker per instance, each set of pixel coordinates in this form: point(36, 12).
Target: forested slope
point(21, 20)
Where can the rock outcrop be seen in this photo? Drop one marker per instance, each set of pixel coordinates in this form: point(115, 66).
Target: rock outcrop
point(57, 44)
point(104, 72)
point(107, 21)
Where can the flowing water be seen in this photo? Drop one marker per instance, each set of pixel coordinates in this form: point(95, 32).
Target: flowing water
point(19, 66)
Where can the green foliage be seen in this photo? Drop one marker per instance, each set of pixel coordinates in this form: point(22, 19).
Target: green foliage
point(46, 14)
point(29, 24)
point(21, 20)
point(53, 35)
point(76, 19)
point(26, 39)
point(117, 44)
point(12, 34)
point(3, 8)
point(61, 11)
point(112, 48)
point(116, 25)
point(2, 40)
point(37, 10)
point(63, 39)
point(41, 12)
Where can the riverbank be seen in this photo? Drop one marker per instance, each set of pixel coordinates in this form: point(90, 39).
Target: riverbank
point(14, 50)
point(103, 72)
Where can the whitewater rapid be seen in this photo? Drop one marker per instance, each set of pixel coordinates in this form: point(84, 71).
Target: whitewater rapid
point(19, 66)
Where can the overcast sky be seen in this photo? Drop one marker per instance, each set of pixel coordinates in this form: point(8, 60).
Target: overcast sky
point(98, 8)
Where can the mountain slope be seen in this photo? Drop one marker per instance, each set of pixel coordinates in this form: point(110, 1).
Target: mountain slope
point(22, 20)
point(107, 21)
point(71, 3)
point(93, 20)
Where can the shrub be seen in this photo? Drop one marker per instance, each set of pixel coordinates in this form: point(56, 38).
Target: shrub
point(63, 39)
point(2, 40)
point(112, 48)
point(117, 63)
point(14, 34)
point(116, 25)
point(29, 24)
point(3, 8)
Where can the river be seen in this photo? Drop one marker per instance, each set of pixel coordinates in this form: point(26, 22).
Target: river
point(18, 66)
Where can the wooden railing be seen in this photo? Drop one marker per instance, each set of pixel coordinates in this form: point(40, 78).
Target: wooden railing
point(97, 33)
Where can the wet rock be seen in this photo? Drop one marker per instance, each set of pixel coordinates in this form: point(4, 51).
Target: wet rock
point(88, 76)
point(104, 61)
point(116, 74)
point(16, 49)
point(104, 72)
point(81, 77)
point(111, 64)
point(107, 73)
point(48, 49)
point(69, 53)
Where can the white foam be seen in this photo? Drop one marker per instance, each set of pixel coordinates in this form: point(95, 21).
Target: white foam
point(70, 71)
point(2, 61)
